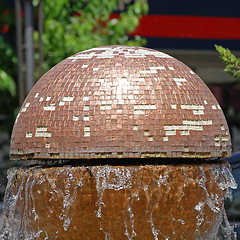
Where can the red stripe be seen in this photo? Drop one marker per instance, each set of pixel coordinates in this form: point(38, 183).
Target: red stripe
point(188, 27)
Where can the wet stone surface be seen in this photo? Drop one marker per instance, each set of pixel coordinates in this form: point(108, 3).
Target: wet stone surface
point(183, 201)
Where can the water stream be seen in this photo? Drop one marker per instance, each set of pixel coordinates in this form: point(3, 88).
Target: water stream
point(117, 202)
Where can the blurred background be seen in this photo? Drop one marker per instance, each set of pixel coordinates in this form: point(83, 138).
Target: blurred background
point(37, 34)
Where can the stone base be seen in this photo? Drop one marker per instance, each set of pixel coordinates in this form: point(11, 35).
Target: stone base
point(117, 202)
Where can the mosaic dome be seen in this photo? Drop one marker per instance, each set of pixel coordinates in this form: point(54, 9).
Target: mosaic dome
point(120, 102)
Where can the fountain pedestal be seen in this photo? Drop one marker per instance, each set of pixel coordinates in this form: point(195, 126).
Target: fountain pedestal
point(117, 202)
point(119, 104)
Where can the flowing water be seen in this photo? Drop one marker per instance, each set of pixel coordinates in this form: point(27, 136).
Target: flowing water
point(118, 202)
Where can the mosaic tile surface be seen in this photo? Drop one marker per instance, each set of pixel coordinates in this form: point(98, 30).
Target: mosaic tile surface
point(120, 102)
point(151, 202)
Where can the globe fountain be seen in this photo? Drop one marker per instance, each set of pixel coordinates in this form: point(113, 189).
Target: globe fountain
point(122, 142)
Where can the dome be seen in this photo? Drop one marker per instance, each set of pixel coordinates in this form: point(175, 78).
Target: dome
point(120, 102)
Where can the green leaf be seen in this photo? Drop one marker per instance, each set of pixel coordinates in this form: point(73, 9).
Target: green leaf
point(7, 84)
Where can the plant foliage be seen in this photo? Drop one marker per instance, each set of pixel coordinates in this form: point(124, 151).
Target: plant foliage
point(231, 61)
point(8, 68)
point(8, 92)
point(73, 26)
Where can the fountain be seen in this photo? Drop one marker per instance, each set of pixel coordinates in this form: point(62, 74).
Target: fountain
point(123, 143)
